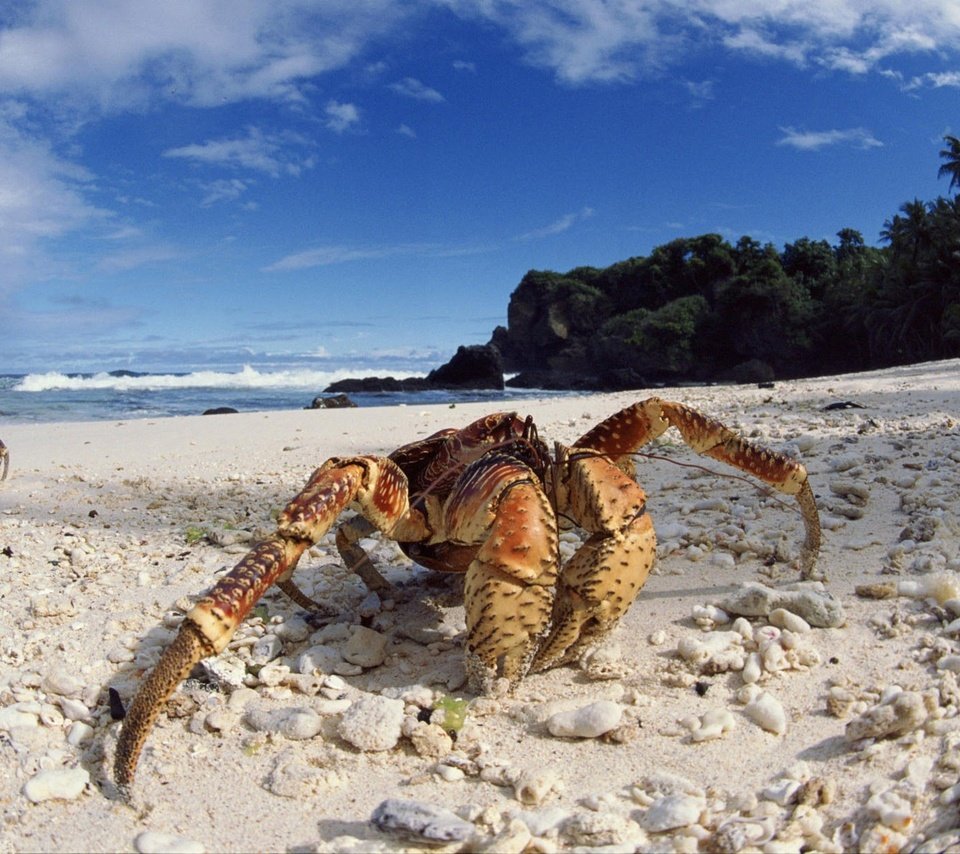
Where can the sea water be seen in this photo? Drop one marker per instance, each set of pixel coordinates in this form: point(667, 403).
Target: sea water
point(121, 395)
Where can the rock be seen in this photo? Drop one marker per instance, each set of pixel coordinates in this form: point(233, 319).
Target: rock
point(366, 647)
point(220, 410)
point(321, 658)
point(65, 784)
point(154, 842)
point(899, 714)
point(476, 366)
point(587, 721)
point(337, 401)
point(293, 723)
point(420, 822)
point(671, 812)
point(372, 723)
point(809, 600)
point(767, 712)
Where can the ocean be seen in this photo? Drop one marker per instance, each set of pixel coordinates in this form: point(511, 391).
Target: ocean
point(122, 395)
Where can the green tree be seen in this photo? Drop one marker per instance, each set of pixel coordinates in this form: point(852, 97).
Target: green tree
point(951, 164)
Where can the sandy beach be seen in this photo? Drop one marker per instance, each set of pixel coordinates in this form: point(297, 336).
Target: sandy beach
point(727, 732)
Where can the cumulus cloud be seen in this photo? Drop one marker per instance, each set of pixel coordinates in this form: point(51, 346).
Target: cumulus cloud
point(341, 117)
point(115, 55)
point(815, 140)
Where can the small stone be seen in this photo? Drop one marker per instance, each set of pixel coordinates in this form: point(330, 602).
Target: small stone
point(293, 630)
point(224, 670)
point(17, 715)
point(74, 710)
point(533, 786)
point(62, 682)
point(266, 649)
point(671, 812)
point(321, 658)
point(420, 822)
point(589, 721)
point(784, 619)
point(293, 723)
point(898, 714)
point(365, 648)
point(767, 712)
point(372, 722)
point(430, 740)
point(65, 784)
point(154, 842)
point(79, 733)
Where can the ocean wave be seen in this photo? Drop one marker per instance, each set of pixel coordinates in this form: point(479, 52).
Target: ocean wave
point(249, 377)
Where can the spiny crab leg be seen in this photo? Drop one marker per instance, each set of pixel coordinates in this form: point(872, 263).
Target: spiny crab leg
point(4, 461)
point(628, 430)
point(378, 487)
point(205, 631)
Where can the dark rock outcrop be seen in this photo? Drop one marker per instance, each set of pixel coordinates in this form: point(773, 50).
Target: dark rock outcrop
point(220, 410)
point(338, 401)
point(479, 366)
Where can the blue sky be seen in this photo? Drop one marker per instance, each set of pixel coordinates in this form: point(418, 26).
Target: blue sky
point(190, 184)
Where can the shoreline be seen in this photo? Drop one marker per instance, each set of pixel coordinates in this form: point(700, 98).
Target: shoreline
point(95, 522)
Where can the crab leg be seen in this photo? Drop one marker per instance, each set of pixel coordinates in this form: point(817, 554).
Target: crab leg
point(499, 505)
point(628, 430)
point(600, 582)
point(379, 489)
point(4, 461)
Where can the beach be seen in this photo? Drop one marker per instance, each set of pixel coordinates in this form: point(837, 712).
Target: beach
point(109, 528)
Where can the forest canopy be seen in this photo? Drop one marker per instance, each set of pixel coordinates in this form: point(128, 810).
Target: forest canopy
point(701, 308)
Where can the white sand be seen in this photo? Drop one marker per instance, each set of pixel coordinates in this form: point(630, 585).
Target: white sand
point(94, 520)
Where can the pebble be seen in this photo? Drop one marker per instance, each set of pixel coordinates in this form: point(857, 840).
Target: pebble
point(65, 784)
point(420, 822)
point(294, 723)
point(321, 658)
point(896, 715)
point(712, 724)
point(807, 599)
point(266, 649)
point(155, 842)
point(372, 722)
point(587, 721)
point(79, 733)
point(766, 711)
point(19, 715)
point(671, 812)
point(365, 648)
point(61, 682)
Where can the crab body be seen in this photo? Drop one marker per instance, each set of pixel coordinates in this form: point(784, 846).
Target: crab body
point(488, 501)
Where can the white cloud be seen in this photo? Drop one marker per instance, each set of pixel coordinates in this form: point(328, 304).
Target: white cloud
point(410, 87)
point(257, 151)
point(815, 140)
point(42, 197)
point(341, 117)
point(224, 190)
point(406, 130)
point(584, 41)
point(558, 226)
point(464, 65)
point(114, 55)
point(326, 256)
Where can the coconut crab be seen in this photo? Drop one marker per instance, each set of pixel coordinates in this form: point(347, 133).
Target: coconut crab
point(4, 460)
point(488, 501)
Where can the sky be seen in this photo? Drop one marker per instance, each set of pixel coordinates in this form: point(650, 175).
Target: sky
point(213, 183)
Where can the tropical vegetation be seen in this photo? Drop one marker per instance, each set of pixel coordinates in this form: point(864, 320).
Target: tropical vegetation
point(702, 308)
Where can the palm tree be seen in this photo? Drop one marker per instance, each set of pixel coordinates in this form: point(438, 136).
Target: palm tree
point(951, 155)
